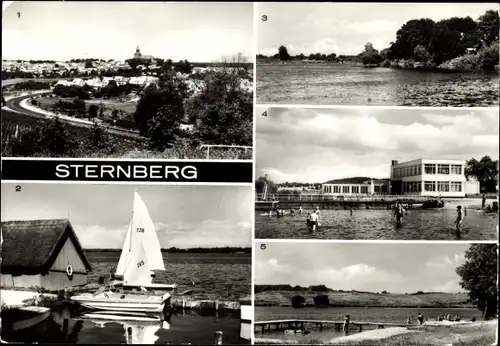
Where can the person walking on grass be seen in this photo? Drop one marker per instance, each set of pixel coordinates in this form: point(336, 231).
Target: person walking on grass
point(420, 319)
point(345, 327)
point(483, 205)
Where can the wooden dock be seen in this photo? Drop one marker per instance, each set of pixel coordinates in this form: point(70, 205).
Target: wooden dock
point(338, 325)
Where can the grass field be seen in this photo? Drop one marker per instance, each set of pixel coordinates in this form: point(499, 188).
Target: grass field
point(362, 299)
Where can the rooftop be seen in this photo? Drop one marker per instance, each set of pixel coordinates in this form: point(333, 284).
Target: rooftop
point(30, 247)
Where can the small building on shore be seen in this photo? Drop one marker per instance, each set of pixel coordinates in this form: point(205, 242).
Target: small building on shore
point(355, 186)
point(42, 254)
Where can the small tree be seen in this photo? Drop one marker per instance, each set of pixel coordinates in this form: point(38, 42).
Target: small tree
point(298, 301)
point(479, 275)
point(421, 54)
point(283, 53)
point(321, 300)
point(484, 171)
point(93, 110)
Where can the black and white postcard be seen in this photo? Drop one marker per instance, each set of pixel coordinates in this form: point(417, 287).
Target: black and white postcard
point(380, 54)
point(122, 263)
point(127, 79)
point(375, 294)
point(368, 173)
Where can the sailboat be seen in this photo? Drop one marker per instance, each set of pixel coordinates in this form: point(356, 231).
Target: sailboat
point(135, 266)
point(141, 230)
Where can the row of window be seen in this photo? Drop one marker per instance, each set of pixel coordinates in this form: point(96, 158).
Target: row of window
point(345, 189)
point(429, 168)
point(432, 186)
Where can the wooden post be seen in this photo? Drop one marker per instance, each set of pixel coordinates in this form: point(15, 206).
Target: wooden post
point(263, 328)
point(320, 327)
point(216, 305)
point(360, 327)
point(218, 338)
point(208, 152)
point(183, 304)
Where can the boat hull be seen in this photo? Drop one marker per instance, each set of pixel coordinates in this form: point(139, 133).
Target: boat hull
point(152, 286)
point(123, 303)
point(23, 318)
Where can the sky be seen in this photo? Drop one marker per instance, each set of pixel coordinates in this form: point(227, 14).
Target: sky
point(63, 30)
point(344, 28)
point(394, 267)
point(185, 216)
point(314, 145)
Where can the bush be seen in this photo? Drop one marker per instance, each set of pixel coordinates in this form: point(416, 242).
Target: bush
point(488, 57)
point(464, 62)
point(321, 300)
point(298, 301)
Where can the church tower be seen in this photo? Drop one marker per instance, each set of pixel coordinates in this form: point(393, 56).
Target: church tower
point(137, 54)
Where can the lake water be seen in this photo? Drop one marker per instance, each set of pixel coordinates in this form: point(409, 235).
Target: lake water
point(337, 84)
point(394, 315)
point(183, 328)
point(380, 224)
point(209, 275)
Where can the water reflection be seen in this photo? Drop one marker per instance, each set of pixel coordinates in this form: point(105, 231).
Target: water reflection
point(182, 327)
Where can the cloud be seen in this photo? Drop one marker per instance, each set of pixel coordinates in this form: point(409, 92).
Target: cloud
point(208, 233)
point(320, 144)
point(445, 261)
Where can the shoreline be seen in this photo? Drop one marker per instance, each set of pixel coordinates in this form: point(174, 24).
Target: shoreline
point(16, 298)
point(435, 69)
point(399, 334)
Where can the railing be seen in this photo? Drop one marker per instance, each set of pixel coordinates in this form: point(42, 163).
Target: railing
point(208, 146)
point(324, 197)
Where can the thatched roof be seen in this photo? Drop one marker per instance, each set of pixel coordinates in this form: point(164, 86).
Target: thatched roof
point(30, 247)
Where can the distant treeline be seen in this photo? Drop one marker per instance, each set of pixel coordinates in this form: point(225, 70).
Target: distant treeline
point(453, 43)
point(190, 250)
point(319, 288)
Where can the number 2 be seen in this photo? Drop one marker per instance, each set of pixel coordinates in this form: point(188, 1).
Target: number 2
point(18, 188)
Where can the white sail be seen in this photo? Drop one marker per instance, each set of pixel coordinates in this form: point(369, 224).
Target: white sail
point(120, 269)
point(143, 230)
point(137, 268)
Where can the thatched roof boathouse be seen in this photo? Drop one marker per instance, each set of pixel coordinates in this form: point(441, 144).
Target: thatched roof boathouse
point(42, 253)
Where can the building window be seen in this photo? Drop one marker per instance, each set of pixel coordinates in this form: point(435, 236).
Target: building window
point(419, 170)
point(443, 169)
point(456, 169)
point(336, 189)
point(456, 186)
point(364, 189)
point(345, 189)
point(444, 186)
point(355, 189)
point(419, 186)
point(429, 186)
point(430, 169)
point(376, 189)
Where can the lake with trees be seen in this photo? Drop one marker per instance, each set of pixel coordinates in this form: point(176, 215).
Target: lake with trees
point(450, 63)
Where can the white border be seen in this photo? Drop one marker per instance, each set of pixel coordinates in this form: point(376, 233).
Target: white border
point(378, 241)
point(403, 108)
point(254, 167)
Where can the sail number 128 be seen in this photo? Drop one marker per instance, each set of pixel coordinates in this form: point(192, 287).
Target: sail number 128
point(140, 230)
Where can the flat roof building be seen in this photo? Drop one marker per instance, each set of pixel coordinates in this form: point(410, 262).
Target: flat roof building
point(356, 186)
point(430, 177)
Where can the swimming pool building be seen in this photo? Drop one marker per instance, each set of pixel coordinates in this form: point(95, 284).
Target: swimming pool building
point(428, 177)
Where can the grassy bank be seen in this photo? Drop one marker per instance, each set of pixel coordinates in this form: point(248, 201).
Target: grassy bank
point(477, 334)
point(367, 299)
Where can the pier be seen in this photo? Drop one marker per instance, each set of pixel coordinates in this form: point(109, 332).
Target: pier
point(310, 201)
point(296, 325)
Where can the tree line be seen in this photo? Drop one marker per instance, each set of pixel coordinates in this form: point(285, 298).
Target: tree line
point(457, 42)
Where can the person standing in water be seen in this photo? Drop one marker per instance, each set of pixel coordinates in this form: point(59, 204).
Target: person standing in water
point(399, 213)
point(300, 209)
point(314, 220)
point(460, 219)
